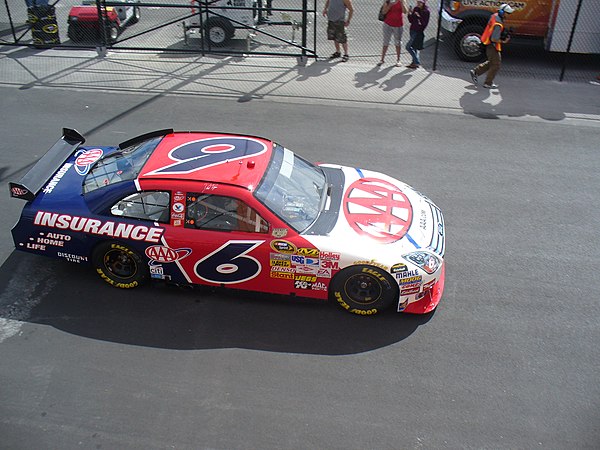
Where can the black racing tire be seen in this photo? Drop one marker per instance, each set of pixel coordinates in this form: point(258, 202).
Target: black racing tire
point(112, 32)
point(364, 290)
point(467, 42)
point(136, 15)
point(76, 33)
point(119, 265)
point(219, 32)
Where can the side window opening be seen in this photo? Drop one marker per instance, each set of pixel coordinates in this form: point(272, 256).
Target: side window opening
point(152, 205)
point(216, 212)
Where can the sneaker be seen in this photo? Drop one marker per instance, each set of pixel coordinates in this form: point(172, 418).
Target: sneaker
point(473, 77)
point(335, 55)
point(490, 86)
point(345, 58)
point(413, 66)
point(380, 63)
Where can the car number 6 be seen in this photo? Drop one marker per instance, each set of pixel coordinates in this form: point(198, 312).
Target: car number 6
point(230, 263)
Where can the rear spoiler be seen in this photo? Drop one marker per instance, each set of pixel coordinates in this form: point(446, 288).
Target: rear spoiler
point(36, 178)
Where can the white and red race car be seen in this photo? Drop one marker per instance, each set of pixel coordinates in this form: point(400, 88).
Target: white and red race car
point(234, 211)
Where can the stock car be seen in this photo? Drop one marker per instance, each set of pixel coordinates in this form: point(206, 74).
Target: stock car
point(235, 211)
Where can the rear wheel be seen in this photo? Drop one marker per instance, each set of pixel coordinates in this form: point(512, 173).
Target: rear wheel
point(112, 32)
point(364, 290)
point(467, 43)
point(119, 265)
point(136, 15)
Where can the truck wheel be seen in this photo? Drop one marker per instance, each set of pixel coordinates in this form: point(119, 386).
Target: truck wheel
point(364, 290)
point(467, 43)
point(136, 15)
point(119, 265)
point(75, 33)
point(112, 32)
point(219, 32)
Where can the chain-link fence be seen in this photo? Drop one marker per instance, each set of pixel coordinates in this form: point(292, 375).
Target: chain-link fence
point(550, 39)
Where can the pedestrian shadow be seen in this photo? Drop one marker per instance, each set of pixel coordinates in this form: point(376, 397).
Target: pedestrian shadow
point(397, 81)
point(369, 79)
point(483, 103)
point(316, 69)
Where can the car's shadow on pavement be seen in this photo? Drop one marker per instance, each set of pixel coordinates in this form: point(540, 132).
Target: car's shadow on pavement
point(73, 299)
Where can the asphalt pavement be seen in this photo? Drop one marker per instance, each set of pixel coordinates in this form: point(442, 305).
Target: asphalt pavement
point(355, 83)
point(508, 361)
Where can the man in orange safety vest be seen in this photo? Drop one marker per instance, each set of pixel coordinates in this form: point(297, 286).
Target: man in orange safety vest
point(493, 38)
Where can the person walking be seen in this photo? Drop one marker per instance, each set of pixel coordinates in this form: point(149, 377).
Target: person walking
point(419, 19)
point(337, 21)
point(493, 37)
point(392, 26)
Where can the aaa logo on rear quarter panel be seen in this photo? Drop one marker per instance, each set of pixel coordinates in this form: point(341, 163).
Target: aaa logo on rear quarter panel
point(378, 209)
point(162, 254)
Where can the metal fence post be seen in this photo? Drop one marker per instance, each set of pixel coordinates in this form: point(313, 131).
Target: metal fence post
point(565, 60)
point(437, 36)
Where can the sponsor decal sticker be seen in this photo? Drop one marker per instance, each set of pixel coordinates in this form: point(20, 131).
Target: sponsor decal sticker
point(329, 255)
point(279, 232)
point(98, 227)
point(281, 246)
point(85, 159)
point(56, 178)
point(377, 209)
point(163, 254)
point(312, 252)
point(283, 275)
point(400, 267)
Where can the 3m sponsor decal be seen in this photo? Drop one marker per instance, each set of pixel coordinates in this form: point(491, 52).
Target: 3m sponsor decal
point(280, 263)
point(378, 209)
point(163, 254)
point(328, 264)
point(312, 252)
point(56, 178)
point(329, 255)
point(85, 159)
point(397, 268)
point(203, 153)
point(281, 246)
point(98, 227)
point(282, 275)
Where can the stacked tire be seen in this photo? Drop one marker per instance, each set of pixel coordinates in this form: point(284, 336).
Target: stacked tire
point(44, 27)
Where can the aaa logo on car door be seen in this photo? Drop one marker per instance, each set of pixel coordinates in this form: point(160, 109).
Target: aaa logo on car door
point(197, 155)
point(230, 263)
point(378, 209)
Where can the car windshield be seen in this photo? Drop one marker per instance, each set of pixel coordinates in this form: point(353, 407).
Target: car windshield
point(121, 166)
point(292, 188)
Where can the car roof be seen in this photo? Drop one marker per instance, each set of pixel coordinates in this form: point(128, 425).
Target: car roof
point(234, 159)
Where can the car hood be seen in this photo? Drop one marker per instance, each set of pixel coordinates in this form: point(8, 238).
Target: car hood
point(379, 218)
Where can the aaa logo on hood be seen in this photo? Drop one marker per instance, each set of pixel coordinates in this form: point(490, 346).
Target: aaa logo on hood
point(163, 254)
point(85, 159)
point(378, 209)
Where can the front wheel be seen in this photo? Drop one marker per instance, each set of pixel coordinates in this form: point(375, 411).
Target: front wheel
point(119, 265)
point(219, 32)
point(467, 43)
point(364, 290)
